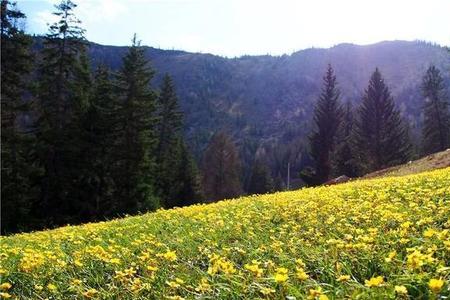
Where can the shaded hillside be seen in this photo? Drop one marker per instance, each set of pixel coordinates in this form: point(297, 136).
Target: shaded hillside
point(267, 97)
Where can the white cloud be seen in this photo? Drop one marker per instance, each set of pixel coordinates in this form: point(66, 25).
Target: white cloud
point(43, 18)
point(99, 11)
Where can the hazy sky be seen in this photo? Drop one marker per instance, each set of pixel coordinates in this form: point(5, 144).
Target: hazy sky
point(237, 27)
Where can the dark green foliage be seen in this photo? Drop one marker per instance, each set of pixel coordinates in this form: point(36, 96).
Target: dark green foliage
point(344, 157)
point(380, 133)
point(275, 95)
point(221, 168)
point(327, 120)
point(135, 170)
point(178, 179)
point(261, 181)
point(436, 123)
point(17, 167)
point(187, 180)
point(62, 97)
point(97, 141)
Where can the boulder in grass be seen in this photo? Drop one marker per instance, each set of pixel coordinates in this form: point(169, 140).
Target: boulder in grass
point(337, 180)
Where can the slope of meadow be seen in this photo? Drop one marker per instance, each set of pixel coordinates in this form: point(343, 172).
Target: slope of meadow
point(371, 239)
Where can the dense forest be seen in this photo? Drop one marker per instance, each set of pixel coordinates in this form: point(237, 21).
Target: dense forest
point(91, 132)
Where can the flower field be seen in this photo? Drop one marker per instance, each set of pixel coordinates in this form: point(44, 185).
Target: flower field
point(385, 238)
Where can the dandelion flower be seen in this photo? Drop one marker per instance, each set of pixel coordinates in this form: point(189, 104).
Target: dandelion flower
point(436, 285)
point(374, 281)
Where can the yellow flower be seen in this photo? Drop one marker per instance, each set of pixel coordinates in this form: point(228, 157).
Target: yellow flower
point(401, 290)
point(170, 256)
point(5, 295)
point(5, 286)
point(52, 288)
point(90, 293)
point(38, 287)
point(78, 263)
point(281, 275)
point(314, 293)
point(152, 268)
point(301, 275)
point(203, 286)
point(390, 256)
point(343, 278)
point(175, 284)
point(254, 268)
point(429, 233)
point(436, 285)
point(266, 291)
point(374, 281)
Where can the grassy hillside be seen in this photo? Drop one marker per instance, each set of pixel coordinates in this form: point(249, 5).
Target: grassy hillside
point(370, 239)
point(430, 162)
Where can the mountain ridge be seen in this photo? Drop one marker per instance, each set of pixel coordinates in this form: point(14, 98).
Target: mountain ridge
point(268, 99)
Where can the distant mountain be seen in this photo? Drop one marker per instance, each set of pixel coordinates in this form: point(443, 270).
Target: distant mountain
point(270, 98)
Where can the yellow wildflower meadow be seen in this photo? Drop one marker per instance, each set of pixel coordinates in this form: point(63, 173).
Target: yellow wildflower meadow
point(382, 238)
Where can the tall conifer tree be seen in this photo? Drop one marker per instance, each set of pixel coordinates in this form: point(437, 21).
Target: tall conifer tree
point(177, 174)
point(16, 145)
point(97, 139)
point(62, 96)
point(327, 118)
point(436, 125)
point(344, 157)
point(136, 144)
point(381, 136)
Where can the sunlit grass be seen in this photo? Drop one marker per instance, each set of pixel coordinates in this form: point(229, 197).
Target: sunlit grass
point(375, 239)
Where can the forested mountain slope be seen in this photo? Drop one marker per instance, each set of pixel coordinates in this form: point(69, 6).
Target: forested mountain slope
point(272, 97)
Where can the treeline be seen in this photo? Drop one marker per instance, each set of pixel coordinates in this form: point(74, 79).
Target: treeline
point(355, 141)
point(81, 145)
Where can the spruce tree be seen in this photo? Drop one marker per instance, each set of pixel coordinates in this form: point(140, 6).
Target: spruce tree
point(436, 125)
point(344, 157)
point(221, 168)
point(61, 98)
point(97, 139)
point(136, 142)
point(178, 178)
point(17, 170)
point(327, 118)
point(380, 134)
point(187, 179)
point(261, 181)
point(168, 149)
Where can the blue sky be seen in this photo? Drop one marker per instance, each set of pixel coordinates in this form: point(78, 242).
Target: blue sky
point(237, 27)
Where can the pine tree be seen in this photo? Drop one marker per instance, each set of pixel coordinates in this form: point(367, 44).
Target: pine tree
point(62, 96)
point(17, 169)
point(178, 178)
point(344, 158)
point(134, 173)
point(380, 133)
point(187, 180)
point(436, 126)
point(220, 168)
point(168, 149)
point(261, 181)
point(327, 119)
point(97, 137)
point(170, 118)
